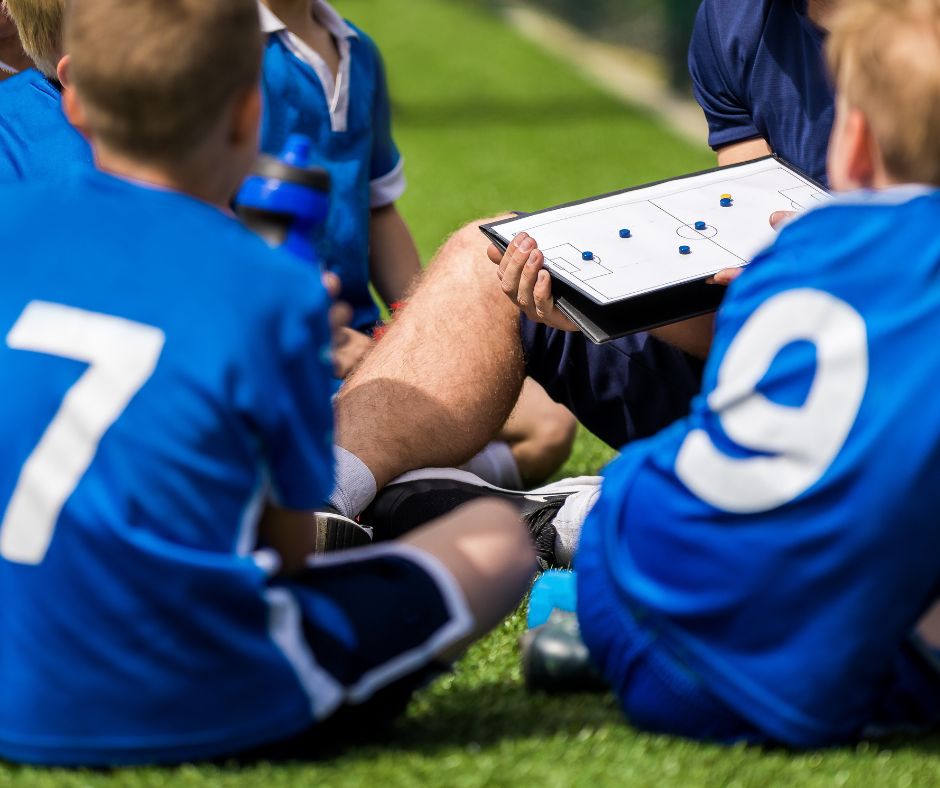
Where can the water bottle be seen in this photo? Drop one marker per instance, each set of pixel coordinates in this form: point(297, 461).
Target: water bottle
point(286, 199)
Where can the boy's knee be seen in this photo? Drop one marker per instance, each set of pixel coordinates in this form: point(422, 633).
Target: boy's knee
point(557, 430)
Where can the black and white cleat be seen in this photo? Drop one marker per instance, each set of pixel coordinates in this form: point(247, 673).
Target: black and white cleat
point(421, 496)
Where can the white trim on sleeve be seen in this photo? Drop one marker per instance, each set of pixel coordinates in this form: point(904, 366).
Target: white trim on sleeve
point(389, 187)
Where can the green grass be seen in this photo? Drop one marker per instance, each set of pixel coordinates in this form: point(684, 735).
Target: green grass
point(489, 123)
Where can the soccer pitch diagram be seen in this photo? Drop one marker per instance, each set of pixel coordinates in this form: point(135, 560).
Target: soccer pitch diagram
point(625, 244)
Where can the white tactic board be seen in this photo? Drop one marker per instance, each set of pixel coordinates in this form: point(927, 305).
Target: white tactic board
point(661, 218)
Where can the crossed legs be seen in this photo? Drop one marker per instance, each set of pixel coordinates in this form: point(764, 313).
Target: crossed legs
point(445, 378)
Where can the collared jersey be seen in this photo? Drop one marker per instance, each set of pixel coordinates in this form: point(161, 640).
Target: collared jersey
point(164, 375)
point(782, 539)
point(349, 121)
point(758, 71)
point(36, 140)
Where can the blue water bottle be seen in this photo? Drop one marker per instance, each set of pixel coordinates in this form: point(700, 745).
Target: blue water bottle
point(286, 199)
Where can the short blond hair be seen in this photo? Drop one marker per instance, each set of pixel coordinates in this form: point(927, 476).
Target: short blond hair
point(885, 59)
point(154, 76)
point(39, 24)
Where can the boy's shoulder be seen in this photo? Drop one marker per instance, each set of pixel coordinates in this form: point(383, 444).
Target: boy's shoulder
point(183, 239)
point(845, 246)
point(26, 81)
point(30, 114)
point(864, 217)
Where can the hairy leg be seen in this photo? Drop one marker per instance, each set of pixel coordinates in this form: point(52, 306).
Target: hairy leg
point(488, 552)
point(444, 378)
point(540, 433)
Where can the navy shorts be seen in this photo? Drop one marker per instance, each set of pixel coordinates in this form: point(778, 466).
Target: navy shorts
point(659, 693)
point(625, 389)
point(374, 620)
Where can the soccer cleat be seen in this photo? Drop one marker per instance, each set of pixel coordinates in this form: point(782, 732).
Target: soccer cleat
point(421, 496)
point(335, 532)
point(555, 659)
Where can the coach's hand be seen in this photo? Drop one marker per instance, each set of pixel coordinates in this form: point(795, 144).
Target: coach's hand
point(527, 284)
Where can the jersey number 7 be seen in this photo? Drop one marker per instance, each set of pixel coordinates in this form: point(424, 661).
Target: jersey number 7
point(121, 356)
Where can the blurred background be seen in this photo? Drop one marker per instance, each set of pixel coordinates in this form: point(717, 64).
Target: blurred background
point(659, 27)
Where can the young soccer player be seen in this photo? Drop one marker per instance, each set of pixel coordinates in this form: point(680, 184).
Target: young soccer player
point(755, 571)
point(166, 407)
point(324, 77)
point(36, 140)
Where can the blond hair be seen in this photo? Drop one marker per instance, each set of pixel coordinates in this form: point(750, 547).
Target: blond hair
point(885, 58)
point(155, 76)
point(39, 25)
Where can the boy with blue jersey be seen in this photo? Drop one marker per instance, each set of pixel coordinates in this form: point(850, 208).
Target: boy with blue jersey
point(36, 140)
point(755, 571)
point(324, 77)
point(167, 410)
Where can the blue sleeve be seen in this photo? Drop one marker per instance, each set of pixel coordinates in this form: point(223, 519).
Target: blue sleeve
point(385, 171)
point(291, 373)
point(717, 65)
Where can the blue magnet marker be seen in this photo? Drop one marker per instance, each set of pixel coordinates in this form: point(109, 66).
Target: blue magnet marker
point(587, 255)
point(701, 226)
point(685, 250)
point(625, 233)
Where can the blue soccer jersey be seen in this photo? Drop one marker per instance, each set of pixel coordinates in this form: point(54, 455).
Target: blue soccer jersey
point(349, 121)
point(36, 140)
point(758, 71)
point(783, 538)
point(164, 374)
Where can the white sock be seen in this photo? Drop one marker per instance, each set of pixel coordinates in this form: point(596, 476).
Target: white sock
point(570, 520)
point(355, 484)
point(496, 465)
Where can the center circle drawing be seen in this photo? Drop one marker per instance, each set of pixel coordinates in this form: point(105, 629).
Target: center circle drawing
point(689, 232)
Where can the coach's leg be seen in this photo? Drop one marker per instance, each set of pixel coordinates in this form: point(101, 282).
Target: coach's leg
point(487, 550)
point(444, 378)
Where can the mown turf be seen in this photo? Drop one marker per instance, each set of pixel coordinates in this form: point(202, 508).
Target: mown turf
point(489, 123)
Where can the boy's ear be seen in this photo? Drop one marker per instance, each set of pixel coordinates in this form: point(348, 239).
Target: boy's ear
point(246, 118)
point(62, 70)
point(73, 108)
point(863, 156)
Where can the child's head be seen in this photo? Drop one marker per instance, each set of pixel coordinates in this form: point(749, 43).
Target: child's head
point(885, 59)
point(39, 24)
point(167, 83)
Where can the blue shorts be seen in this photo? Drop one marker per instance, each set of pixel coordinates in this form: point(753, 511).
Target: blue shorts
point(625, 389)
point(374, 620)
point(659, 693)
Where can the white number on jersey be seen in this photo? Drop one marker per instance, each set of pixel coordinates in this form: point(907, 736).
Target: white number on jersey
point(798, 443)
point(121, 356)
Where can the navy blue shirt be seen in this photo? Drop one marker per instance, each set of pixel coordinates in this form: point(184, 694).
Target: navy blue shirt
point(758, 71)
point(36, 140)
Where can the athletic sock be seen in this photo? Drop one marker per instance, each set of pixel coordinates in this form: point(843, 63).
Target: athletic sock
point(570, 520)
point(355, 484)
point(496, 465)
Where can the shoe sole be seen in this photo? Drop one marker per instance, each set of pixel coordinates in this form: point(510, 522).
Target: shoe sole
point(335, 532)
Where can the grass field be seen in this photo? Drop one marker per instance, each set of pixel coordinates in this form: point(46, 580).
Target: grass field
point(488, 123)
